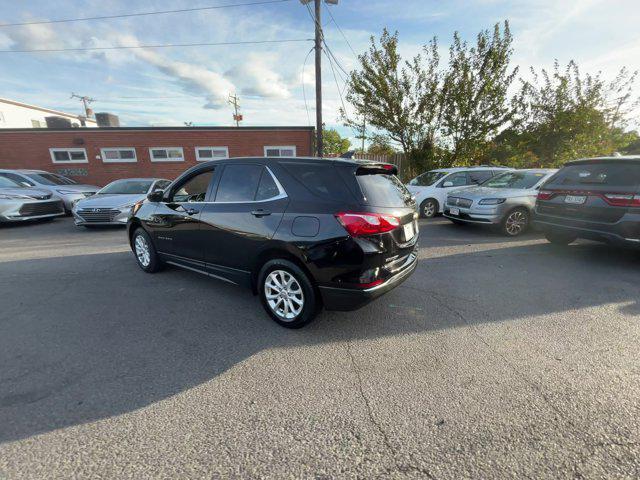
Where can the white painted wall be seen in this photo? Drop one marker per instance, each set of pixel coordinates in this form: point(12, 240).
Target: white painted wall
point(22, 116)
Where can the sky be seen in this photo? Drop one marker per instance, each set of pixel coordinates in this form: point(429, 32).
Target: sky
point(275, 81)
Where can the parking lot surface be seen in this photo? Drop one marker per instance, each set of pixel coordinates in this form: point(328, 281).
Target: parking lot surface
point(497, 358)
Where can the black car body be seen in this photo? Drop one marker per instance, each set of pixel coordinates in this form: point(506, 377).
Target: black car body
point(597, 199)
point(348, 226)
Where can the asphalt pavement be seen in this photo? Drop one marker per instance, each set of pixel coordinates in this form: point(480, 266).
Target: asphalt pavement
point(497, 358)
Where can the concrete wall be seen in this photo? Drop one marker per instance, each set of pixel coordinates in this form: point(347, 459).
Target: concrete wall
point(31, 148)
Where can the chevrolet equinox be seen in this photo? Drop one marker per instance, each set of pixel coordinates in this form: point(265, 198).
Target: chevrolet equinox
point(303, 233)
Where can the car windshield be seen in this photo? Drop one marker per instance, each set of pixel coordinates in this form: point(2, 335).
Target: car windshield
point(126, 187)
point(50, 179)
point(6, 183)
point(427, 179)
point(523, 180)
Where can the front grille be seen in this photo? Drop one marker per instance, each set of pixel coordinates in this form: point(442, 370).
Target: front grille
point(98, 215)
point(459, 202)
point(41, 208)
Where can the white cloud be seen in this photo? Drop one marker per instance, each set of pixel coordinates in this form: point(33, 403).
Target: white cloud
point(256, 77)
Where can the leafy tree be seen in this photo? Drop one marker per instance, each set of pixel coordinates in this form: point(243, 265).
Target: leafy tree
point(334, 144)
point(380, 145)
point(400, 98)
point(564, 114)
point(474, 92)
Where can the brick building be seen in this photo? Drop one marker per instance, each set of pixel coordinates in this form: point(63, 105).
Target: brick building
point(100, 155)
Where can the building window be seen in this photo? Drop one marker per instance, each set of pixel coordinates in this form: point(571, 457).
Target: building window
point(68, 155)
point(204, 154)
point(118, 155)
point(280, 151)
point(166, 154)
point(36, 124)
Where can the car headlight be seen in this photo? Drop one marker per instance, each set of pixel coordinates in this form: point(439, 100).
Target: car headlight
point(68, 192)
point(492, 201)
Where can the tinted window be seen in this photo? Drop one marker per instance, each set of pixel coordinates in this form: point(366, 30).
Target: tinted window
point(239, 183)
point(267, 187)
point(515, 180)
point(126, 187)
point(609, 174)
point(383, 190)
point(479, 176)
point(194, 189)
point(7, 183)
point(321, 180)
point(427, 179)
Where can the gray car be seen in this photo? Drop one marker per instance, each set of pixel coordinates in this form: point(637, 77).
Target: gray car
point(69, 191)
point(18, 203)
point(114, 204)
point(504, 201)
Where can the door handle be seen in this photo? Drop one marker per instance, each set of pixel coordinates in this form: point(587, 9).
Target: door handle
point(260, 213)
point(191, 211)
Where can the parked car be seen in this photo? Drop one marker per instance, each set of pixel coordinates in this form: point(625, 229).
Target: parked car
point(595, 198)
point(68, 190)
point(505, 201)
point(113, 204)
point(431, 188)
point(18, 203)
point(301, 232)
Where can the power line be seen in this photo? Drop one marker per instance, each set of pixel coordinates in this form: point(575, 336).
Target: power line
point(167, 45)
point(344, 108)
point(341, 32)
point(127, 15)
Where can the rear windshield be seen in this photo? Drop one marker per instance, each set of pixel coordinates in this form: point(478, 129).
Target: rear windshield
point(382, 190)
point(617, 174)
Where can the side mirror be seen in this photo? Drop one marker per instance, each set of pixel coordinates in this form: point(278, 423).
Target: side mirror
point(447, 184)
point(156, 196)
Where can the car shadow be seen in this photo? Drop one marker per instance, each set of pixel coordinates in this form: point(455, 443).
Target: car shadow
point(91, 336)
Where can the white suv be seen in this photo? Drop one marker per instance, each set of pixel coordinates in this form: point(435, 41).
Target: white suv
point(431, 188)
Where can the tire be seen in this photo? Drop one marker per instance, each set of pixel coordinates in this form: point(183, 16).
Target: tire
point(516, 222)
point(145, 251)
point(282, 307)
point(429, 208)
point(562, 239)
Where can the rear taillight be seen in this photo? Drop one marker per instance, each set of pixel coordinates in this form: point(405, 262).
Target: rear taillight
point(359, 224)
point(545, 195)
point(622, 199)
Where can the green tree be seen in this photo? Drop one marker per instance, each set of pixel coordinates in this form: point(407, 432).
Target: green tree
point(475, 92)
point(380, 145)
point(400, 98)
point(334, 144)
point(563, 115)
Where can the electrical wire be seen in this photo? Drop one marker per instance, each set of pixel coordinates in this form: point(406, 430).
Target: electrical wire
point(141, 14)
point(167, 45)
point(342, 33)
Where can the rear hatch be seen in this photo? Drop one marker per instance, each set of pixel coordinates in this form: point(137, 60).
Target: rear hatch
point(599, 190)
point(389, 205)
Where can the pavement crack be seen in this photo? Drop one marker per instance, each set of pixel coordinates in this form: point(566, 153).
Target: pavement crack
point(372, 420)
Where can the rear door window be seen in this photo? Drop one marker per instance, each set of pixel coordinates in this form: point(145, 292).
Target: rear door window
point(239, 183)
point(382, 190)
point(620, 175)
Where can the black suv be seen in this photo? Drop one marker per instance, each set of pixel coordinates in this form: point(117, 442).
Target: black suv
point(597, 199)
point(301, 232)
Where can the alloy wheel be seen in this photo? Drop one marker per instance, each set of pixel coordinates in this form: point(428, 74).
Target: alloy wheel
point(516, 223)
point(429, 209)
point(142, 251)
point(284, 295)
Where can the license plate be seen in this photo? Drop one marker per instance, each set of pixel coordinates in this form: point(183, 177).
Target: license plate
point(409, 231)
point(575, 199)
point(454, 211)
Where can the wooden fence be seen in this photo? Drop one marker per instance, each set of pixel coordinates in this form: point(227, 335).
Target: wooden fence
point(398, 159)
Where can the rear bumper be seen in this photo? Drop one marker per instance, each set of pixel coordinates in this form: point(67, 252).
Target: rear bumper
point(625, 232)
point(346, 299)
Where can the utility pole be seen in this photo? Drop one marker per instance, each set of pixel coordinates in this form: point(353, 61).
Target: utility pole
point(319, 145)
point(235, 101)
point(85, 101)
